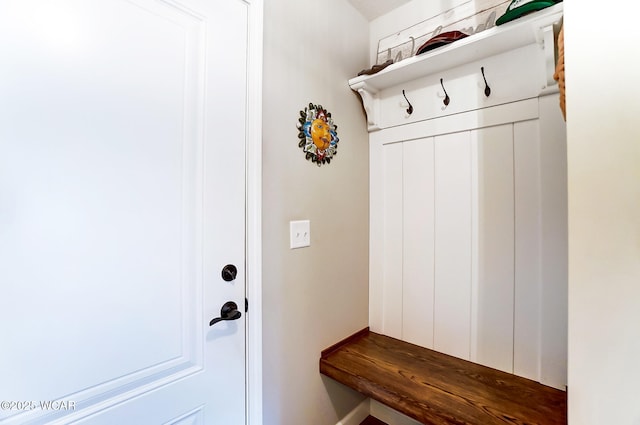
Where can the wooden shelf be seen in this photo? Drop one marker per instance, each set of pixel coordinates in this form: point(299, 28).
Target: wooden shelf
point(438, 389)
point(512, 35)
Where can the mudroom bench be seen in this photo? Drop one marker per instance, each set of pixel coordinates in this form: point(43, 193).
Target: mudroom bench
point(438, 389)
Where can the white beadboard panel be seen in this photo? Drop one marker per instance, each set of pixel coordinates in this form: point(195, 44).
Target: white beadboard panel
point(468, 237)
point(376, 236)
point(493, 247)
point(452, 244)
point(554, 233)
point(418, 242)
point(526, 343)
point(392, 240)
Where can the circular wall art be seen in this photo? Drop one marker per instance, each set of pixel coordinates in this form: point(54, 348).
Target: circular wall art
point(318, 134)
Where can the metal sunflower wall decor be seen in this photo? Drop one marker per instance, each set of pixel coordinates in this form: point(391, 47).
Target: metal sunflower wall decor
point(318, 134)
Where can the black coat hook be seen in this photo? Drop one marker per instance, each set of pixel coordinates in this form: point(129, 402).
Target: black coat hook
point(447, 99)
point(487, 89)
point(410, 108)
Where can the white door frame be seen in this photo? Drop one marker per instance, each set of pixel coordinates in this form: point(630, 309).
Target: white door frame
point(253, 217)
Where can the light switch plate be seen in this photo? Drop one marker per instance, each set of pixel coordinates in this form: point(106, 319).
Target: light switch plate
point(300, 233)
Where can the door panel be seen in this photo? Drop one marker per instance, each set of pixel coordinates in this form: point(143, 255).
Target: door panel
point(121, 199)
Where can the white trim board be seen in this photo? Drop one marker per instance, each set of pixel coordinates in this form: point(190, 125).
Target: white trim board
point(378, 410)
point(357, 415)
point(253, 218)
point(389, 415)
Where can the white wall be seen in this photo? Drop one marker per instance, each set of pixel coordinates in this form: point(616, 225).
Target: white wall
point(603, 110)
point(312, 297)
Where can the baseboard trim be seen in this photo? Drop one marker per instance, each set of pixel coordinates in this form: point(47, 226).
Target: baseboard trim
point(357, 415)
point(388, 415)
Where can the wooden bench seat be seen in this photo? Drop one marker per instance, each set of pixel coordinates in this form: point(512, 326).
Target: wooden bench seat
point(435, 388)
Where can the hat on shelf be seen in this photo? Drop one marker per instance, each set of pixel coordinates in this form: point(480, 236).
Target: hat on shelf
point(519, 8)
point(376, 68)
point(440, 40)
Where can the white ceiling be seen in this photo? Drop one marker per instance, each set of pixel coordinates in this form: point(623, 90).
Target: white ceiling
point(371, 9)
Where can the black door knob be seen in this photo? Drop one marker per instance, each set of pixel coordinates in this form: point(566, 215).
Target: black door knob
point(229, 311)
point(229, 272)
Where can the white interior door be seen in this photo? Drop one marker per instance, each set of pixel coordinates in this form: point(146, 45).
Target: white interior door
point(122, 146)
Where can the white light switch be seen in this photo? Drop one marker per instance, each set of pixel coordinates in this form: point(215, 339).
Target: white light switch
point(300, 233)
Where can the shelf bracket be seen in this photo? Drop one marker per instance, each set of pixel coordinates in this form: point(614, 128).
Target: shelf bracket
point(371, 103)
point(549, 53)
